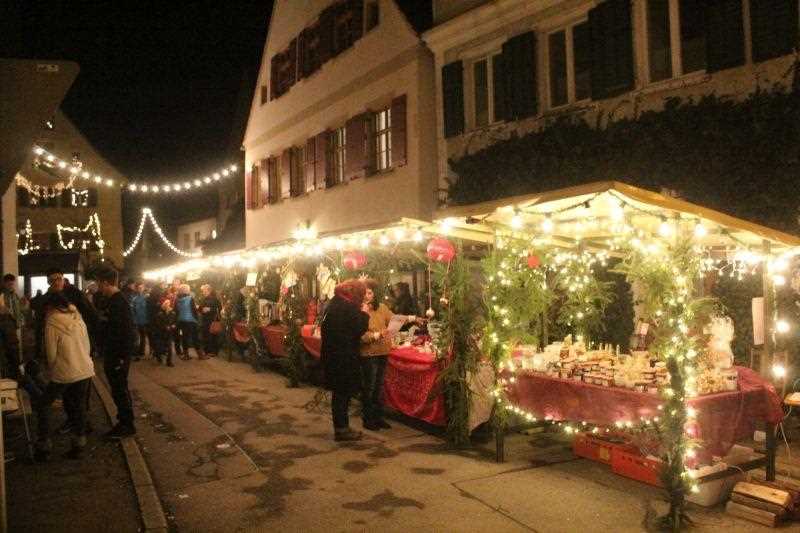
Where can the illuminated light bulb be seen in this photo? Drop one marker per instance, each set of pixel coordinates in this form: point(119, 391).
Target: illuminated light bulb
point(782, 326)
point(207, 179)
point(700, 230)
point(51, 157)
point(516, 221)
point(399, 234)
point(234, 168)
point(417, 236)
point(177, 186)
point(154, 188)
point(74, 170)
point(38, 150)
point(62, 164)
point(383, 240)
point(187, 185)
point(691, 412)
point(224, 173)
point(132, 187)
point(365, 242)
point(547, 224)
point(780, 265)
point(197, 183)
point(447, 225)
point(216, 175)
point(145, 188)
point(167, 188)
point(85, 175)
point(779, 371)
point(779, 280)
point(98, 179)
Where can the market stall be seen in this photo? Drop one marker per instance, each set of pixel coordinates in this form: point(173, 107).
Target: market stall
point(549, 273)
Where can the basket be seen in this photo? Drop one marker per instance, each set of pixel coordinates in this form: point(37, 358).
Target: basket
point(635, 466)
point(597, 449)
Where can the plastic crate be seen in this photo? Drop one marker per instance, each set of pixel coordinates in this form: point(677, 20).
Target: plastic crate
point(635, 466)
point(597, 449)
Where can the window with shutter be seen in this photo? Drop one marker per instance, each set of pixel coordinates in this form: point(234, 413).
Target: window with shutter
point(321, 162)
point(248, 194)
point(286, 173)
point(774, 28)
point(274, 180)
point(92, 197)
point(399, 140)
point(380, 156)
point(256, 186)
point(263, 172)
point(356, 139)
point(724, 34)
point(297, 172)
point(519, 61)
point(310, 167)
point(500, 105)
point(453, 98)
point(658, 40)
point(337, 148)
point(327, 22)
point(693, 37)
point(612, 45)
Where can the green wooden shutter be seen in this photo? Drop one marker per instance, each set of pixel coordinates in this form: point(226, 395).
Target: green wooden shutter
point(499, 86)
point(519, 62)
point(453, 98)
point(724, 34)
point(774, 25)
point(612, 48)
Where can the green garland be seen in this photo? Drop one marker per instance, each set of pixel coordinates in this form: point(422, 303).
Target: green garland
point(455, 344)
point(677, 318)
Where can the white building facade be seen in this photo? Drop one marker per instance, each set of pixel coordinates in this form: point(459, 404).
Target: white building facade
point(342, 133)
point(508, 67)
point(190, 236)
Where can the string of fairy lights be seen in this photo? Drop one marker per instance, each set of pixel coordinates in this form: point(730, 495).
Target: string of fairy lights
point(77, 170)
point(147, 215)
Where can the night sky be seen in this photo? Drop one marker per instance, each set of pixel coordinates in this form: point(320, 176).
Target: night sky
point(164, 87)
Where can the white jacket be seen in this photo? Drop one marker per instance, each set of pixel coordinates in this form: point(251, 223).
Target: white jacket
point(67, 344)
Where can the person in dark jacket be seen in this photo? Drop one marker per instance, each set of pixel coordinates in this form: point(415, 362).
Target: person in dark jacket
point(141, 320)
point(119, 343)
point(344, 323)
point(161, 321)
point(210, 309)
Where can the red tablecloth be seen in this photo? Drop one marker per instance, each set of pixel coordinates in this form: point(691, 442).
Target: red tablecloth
point(410, 378)
point(722, 419)
point(274, 337)
point(312, 344)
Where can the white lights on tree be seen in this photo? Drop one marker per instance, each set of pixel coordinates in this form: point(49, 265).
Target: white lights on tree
point(782, 326)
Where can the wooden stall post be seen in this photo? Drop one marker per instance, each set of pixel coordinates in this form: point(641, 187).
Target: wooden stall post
point(767, 354)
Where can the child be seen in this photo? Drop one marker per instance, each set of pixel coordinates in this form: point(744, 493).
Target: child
point(161, 324)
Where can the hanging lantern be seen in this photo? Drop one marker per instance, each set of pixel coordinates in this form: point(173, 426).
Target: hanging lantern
point(534, 261)
point(354, 260)
point(441, 250)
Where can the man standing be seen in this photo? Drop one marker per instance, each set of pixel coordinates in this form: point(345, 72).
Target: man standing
point(141, 319)
point(118, 347)
point(11, 318)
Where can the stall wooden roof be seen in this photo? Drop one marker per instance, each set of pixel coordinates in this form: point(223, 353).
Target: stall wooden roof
point(646, 210)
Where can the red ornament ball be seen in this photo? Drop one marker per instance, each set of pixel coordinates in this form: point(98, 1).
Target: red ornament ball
point(354, 260)
point(534, 261)
point(441, 250)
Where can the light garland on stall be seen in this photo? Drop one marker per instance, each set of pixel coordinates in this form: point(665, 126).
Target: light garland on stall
point(77, 170)
point(89, 232)
point(30, 244)
point(39, 192)
point(147, 214)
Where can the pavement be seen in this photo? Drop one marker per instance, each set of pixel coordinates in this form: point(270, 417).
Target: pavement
point(234, 450)
point(66, 495)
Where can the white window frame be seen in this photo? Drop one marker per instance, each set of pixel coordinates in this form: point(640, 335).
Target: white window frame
point(675, 43)
point(338, 150)
point(570, 59)
point(382, 163)
point(472, 119)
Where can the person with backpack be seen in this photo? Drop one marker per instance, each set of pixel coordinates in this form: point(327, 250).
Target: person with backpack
point(68, 352)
